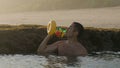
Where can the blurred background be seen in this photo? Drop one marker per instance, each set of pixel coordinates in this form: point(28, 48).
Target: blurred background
point(7, 6)
point(91, 13)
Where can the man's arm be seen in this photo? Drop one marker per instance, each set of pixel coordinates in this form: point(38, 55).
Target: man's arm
point(53, 48)
point(43, 45)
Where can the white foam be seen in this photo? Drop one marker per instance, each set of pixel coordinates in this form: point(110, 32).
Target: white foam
point(34, 61)
point(91, 62)
point(20, 61)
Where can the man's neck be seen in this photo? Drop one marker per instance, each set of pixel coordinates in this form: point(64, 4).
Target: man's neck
point(72, 40)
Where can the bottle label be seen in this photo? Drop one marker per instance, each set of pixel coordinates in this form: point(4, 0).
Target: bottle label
point(60, 32)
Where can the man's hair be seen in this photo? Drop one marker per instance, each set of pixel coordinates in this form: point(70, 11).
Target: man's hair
point(79, 28)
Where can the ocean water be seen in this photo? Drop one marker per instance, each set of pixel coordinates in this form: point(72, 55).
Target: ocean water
point(100, 60)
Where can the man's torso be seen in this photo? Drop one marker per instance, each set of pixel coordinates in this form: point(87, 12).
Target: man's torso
point(65, 49)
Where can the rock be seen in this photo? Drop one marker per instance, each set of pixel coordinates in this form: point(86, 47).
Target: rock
point(26, 40)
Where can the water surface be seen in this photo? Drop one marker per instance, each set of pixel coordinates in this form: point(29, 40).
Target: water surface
point(111, 60)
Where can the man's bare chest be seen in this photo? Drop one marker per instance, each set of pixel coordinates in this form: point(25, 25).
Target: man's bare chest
point(68, 50)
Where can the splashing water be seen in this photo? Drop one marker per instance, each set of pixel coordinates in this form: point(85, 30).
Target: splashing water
point(35, 61)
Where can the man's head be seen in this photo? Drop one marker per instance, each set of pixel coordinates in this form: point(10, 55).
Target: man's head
point(75, 30)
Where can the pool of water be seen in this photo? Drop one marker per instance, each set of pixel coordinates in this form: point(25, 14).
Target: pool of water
point(99, 60)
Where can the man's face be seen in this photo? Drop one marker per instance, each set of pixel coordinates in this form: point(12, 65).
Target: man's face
point(71, 31)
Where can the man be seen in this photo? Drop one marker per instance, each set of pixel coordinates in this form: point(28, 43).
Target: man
point(69, 47)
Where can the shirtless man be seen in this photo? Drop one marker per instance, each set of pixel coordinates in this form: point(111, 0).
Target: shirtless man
point(69, 47)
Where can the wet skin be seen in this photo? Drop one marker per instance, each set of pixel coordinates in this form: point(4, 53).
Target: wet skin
point(70, 47)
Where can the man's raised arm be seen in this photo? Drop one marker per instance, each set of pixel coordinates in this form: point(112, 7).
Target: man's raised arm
point(43, 45)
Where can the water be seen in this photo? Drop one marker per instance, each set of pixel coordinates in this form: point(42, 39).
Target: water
point(100, 60)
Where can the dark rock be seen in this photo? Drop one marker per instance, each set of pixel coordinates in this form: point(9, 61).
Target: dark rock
point(26, 41)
